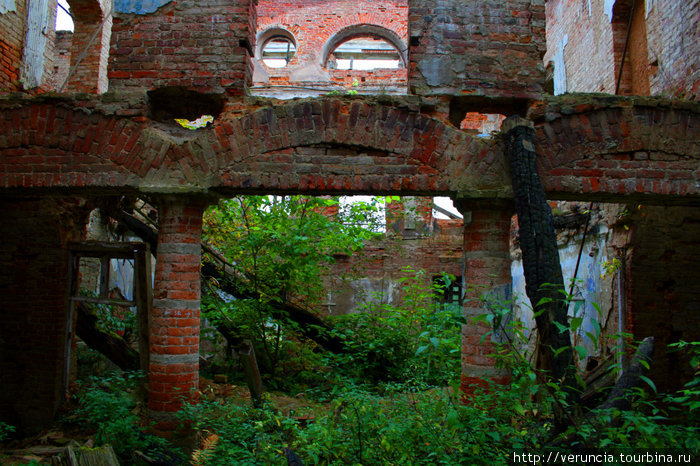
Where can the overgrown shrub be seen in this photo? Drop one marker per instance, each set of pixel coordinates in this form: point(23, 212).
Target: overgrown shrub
point(416, 341)
point(107, 404)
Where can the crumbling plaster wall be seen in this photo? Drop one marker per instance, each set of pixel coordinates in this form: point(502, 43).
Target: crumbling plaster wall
point(477, 48)
point(593, 288)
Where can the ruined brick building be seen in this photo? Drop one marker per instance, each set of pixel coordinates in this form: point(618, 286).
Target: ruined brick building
point(71, 141)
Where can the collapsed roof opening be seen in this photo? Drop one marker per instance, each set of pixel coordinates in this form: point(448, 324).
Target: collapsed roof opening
point(177, 103)
point(365, 53)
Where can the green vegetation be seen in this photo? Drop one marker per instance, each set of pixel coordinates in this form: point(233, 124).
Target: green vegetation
point(109, 405)
point(393, 395)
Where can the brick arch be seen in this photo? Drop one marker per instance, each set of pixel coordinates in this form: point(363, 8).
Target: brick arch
point(362, 30)
point(54, 145)
point(268, 33)
point(349, 145)
point(612, 148)
point(357, 145)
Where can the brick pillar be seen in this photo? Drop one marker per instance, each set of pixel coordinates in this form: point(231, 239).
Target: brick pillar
point(173, 373)
point(90, 45)
point(486, 273)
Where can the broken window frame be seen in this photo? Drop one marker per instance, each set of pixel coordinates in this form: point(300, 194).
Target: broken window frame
point(140, 253)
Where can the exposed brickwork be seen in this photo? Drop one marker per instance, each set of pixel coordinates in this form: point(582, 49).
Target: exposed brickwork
point(631, 147)
point(34, 286)
point(587, 30)
point(476, 47)
point(93, 28)
point(314, 25)
point(174, 364)
point(598, 148)
point(64, 41)
point(199, 45)
point(669, 54)
point(673, 37)
point(12, 26)
point(486, 274)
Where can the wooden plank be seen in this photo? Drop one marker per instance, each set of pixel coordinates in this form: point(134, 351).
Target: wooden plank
point(143, 297)
point(120, 250)
point(104, 277)
point(73, 271)
point(89, 299)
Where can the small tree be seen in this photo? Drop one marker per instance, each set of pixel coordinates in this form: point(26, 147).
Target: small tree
point(281, 247)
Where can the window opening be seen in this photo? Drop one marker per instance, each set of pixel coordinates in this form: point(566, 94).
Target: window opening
point(278, 51)
point(444, 208)
point(64, 18)
point(451, 289)
point(483, 124)
point(364, 53)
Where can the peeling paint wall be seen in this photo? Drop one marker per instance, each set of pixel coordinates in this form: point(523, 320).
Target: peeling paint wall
point(560, 67)
point(592, 289)
point(35, 43)
point(140, 7)
point(7, 5)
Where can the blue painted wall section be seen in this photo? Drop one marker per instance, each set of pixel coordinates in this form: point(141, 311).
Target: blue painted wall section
point(140, 7)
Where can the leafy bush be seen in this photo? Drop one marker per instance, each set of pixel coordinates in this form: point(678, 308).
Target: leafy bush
point(107, 404)
point(5, 431)
point(246, 435)
point(417, 340)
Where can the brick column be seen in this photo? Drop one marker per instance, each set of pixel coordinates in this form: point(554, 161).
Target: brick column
point(173, 373)
point(486, 273)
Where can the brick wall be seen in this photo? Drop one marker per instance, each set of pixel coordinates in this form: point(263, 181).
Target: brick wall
point(663, 299)
point(669, 54)
point(34, 306)
point(64, 44)
point(90, 43)
point(200, 45)
point(673, 37)
point(314, 25)
point(477, 48)
point(380, 266)
point(12, 24)
point(588, 53)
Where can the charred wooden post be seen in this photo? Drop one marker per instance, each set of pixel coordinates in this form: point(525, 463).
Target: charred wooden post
point(543, 275)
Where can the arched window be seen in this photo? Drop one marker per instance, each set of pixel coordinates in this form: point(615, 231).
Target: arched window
point(364, 47)
point(277, 47)
point(364, 53)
